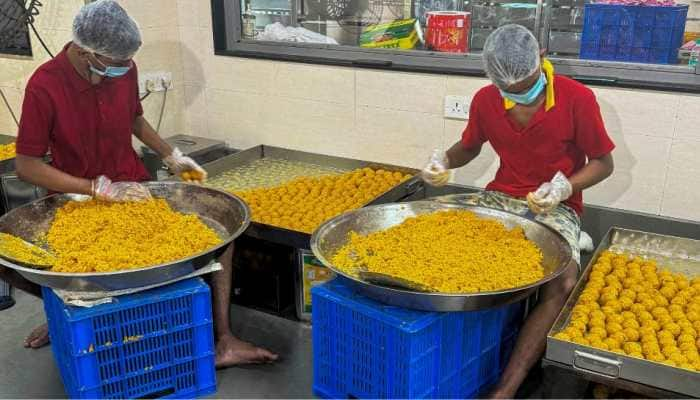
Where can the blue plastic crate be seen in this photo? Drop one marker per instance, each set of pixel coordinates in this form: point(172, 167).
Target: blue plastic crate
point(633, 33)
point(366, 349)
point(157, 343)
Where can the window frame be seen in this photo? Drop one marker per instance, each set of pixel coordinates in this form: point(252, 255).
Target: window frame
point(604, 73)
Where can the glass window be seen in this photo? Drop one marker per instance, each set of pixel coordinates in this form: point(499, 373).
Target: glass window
point(14, 33)
point(447, 26)
point(605, 44)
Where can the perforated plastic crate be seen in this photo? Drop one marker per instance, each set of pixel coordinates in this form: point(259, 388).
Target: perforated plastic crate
point(157, 343)
point(633, 33)
point(366, 349)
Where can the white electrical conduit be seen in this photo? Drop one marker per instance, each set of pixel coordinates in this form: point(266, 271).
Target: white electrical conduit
point(9, 108)
point(162, 109)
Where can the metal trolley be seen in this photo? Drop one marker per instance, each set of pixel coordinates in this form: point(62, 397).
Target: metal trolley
point(271, 264)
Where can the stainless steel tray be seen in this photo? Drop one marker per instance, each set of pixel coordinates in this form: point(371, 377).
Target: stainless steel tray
point(333, 234)
point(679, 254)
point(300, 239)
point(226, 214)
point(7, 166)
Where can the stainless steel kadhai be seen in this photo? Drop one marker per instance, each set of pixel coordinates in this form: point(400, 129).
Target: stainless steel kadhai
point(226, 214)
point(333, 235)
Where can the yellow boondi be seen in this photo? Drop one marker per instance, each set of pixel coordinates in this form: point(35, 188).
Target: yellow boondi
point(631, 307)
point(94, 236)
point(18, 249)
point(304, 203)
point(448, 251)
point(7, 151)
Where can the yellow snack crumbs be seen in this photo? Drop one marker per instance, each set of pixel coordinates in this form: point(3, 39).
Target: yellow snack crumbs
point(448, 251)
point(7, 151)
point(18, 249)
point(305, 203)
point(632, 307)
point(94, 236)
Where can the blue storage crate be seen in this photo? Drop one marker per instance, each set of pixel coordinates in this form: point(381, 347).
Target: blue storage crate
point(157, 343)
point(366, 349)
point(640, 34)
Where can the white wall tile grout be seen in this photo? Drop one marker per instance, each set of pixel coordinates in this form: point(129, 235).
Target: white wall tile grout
point(667, 168)
point(354, 98)
point(382, 110)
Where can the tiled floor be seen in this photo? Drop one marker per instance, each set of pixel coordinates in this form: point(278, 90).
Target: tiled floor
point(28, 373)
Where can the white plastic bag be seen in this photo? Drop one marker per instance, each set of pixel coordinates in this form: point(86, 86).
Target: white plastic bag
point(585, 242)
point(279, 33)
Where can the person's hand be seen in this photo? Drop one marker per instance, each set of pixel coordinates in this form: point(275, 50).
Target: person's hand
point(548, 196)
point(106, 190)
point(437, 172)
point(185, 167)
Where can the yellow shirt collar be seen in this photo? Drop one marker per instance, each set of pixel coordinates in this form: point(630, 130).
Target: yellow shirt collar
point(548, 70)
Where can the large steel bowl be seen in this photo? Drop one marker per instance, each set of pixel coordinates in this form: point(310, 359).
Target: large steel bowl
point(333, 235)
point(226, 214)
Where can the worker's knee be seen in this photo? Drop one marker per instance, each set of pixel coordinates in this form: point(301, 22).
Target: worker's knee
point(560, 288)
point(226, 258)
point(568, 282)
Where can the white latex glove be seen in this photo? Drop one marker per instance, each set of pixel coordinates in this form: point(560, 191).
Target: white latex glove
point(185, 167)
point(437, 172)
point(106, 190)
point(548, 196)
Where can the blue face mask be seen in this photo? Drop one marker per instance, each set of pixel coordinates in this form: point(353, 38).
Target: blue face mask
point(110, 72)
point(530, 96)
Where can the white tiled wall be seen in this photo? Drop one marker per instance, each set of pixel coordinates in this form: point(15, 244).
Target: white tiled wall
point(158, 20)
point(397, 118)
point(374, 115)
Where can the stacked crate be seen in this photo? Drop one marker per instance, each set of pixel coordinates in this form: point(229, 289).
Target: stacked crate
point(366, 349)
point(156, 343)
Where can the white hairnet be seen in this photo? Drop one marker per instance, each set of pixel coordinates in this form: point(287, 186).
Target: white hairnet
point(103, 27)
point(511, 54)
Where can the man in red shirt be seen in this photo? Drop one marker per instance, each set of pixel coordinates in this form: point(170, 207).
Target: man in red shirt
point(83, 108)
point(549, 135)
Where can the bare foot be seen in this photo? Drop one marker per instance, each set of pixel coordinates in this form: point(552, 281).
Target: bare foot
point(38, 338)
point(231, 351)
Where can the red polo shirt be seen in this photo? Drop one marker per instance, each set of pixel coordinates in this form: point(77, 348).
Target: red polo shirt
point(560, 139)
point(87, 128)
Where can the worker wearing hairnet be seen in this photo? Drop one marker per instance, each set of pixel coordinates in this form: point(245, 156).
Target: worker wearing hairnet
point(82, 107)
point(549, 135)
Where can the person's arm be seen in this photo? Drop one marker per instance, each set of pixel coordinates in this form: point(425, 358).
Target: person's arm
point(459, 156)
point(594, 172)
point(36, 172)
point(473, 137)
point(437, 172)
point(148, 136)
point(592, 138)
point(550, 194)
point(36, 123)
point(177, 163)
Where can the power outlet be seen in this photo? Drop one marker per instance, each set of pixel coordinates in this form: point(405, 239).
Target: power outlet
point(156, 81)
point(457, 107)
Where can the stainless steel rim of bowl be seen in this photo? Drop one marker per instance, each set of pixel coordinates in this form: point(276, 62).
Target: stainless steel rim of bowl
point(318, 236)
point(151, 185)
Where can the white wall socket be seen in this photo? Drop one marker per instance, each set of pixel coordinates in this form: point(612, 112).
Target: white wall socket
point(156, 81)
point(457, 107)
